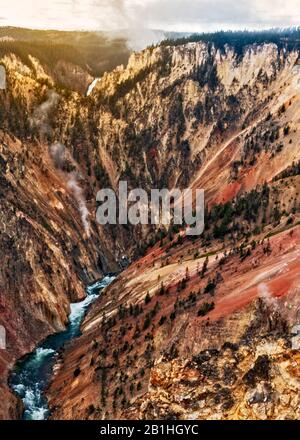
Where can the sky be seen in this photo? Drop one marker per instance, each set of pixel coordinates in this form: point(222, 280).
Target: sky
point(169, 15)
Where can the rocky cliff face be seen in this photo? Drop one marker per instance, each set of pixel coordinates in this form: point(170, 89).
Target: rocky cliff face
point(226, 123)
point(172, 109)
point(187, 115)
point(70, 58)
point(130, 337)
point(47, 256)
point(235, 382)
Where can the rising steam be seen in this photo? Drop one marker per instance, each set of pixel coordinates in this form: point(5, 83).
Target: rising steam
point(63, 161)
point(58, 154)
point(132, 22)
point(41, 115)
point(78, 194)
point(61, 157)
point(266, 296)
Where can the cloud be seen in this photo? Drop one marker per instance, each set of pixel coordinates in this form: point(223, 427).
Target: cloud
point(207, 15)
point(140, 16)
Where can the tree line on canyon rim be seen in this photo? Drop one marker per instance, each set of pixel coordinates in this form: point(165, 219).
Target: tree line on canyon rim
point(288, 38)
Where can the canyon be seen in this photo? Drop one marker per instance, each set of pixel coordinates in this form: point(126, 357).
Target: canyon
point(193, 327)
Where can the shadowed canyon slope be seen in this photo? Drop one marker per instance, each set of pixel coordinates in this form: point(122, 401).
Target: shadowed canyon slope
point(199, 327)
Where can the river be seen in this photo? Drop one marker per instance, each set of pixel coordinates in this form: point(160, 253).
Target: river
point(32, 374)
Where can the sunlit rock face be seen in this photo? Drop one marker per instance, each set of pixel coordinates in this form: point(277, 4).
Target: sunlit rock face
point(232, 383)
point(46, 258)
point(47, 255)
point(187, 115)
point(170, 359)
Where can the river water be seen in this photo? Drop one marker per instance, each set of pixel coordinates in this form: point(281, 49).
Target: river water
point(32, 374)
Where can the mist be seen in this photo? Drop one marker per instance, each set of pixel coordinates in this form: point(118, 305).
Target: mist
point(75, 188)
point(62, 160)
point(267, 297)
point(41, 114)
point(144, 22)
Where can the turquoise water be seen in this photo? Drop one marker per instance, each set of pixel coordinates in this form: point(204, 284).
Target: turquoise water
point(33, 373)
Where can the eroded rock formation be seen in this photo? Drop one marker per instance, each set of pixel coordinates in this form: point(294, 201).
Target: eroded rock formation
point(193, 328)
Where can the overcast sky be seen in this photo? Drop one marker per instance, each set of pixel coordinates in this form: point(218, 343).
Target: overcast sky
point(175, 15)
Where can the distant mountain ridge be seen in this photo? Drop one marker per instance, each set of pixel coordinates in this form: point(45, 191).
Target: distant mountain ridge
point(90, 53)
